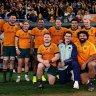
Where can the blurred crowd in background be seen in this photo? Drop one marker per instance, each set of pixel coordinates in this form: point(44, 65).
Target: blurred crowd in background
point(47, 9)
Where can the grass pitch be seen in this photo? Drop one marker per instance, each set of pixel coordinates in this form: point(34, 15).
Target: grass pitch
point(29, 89)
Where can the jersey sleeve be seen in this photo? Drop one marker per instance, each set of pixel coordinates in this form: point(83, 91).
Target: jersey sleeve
point(92, 50)
point(39, 50)
point(33, 32)
point(56, 49)
point(17, 34)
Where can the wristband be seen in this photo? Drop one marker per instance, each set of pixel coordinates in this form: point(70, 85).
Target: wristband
point(16, 48)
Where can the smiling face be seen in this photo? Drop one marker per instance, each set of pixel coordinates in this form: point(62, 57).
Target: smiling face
point(74, 24)
point(68, 37)
point(58, 23)
point(82, 37)
point(12, 19)
point(41, 24)
point(47, 38)
point(26, 25)
point(86, 23)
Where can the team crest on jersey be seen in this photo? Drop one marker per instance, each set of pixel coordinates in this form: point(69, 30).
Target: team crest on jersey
point(51, 49)
point(85, 48)
point(91, 31)
point(61, 31)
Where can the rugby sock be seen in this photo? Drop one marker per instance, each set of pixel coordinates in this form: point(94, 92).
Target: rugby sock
point(11, 72)
point(34, 74)
point(4, 73)
point(91, 80)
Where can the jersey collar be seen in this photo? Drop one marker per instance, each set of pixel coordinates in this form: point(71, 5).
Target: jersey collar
point(10, 24)
point(88, 28)
point(47, 46)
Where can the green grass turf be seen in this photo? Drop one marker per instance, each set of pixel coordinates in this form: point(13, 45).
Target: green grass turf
point(29, 89)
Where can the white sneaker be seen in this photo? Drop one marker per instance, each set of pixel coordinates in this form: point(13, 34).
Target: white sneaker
point(27, 78)
point(76, 85)
point(18, 79)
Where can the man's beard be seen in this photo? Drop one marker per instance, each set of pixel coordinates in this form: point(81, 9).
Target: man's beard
point(82, 41)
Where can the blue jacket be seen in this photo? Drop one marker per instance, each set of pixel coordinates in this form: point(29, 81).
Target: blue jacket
point(67, 54)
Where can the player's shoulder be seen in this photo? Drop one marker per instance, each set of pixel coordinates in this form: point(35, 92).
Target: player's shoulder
point(41, 46)
point(53, 44)
point(53, 27)
point(35, 28)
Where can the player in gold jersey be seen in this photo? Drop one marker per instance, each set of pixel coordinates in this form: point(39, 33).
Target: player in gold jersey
point(38, 38)
point(48, 54)
point(91, 30)
point(74, 29)
point(23, 49)
point(85, 50)
point(9, 50)
point(57, 32)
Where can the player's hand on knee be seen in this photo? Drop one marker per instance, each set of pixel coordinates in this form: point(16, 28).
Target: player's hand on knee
point(47, 65)
point(18, 52)
point(83, 66)
point(45, 61)
point(61, 64)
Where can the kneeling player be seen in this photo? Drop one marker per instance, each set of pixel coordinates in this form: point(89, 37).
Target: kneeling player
point(48, 54)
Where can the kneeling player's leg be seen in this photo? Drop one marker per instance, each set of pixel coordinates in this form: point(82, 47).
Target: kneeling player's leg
point(40, 70)
point(51, 74)
point(84, 78)
point(39, 74)
point(91, 70)
point(51, 79)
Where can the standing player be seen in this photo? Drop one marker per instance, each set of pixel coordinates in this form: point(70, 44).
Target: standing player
point(84, 51)
point(38, 38)
point(2, 22)
point(91, 30)
point(23, 49)
point(9, 51)
point(74, 29)
point(57, 32)
point(48, 54)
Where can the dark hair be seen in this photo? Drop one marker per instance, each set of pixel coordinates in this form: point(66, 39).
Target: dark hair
point(40, 19)
point(12, 15)
point(47, 34)
point(84, 32)
point(58, 19)
point(74, 20)
point(68, 32)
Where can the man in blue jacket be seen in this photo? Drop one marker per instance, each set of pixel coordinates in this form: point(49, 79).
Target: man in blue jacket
point(68, 61)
